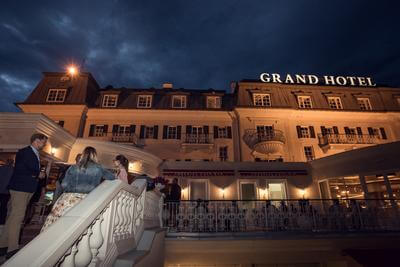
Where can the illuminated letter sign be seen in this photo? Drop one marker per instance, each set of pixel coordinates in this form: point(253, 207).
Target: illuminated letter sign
point(313, 79)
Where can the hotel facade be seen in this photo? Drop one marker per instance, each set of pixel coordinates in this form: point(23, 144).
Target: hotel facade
point(293, 173)
point(261, 140)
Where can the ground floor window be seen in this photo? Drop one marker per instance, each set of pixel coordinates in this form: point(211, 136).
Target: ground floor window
point(198, 189)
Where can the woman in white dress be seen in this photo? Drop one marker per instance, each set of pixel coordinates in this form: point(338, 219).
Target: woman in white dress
point(121, 163)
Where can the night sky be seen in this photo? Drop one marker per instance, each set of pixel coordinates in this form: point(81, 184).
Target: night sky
point(195, 44)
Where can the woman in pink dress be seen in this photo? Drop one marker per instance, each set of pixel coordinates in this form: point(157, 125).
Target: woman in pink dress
point(122, 163)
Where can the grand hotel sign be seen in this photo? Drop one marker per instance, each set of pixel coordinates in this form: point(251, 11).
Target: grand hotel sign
point(313, 79)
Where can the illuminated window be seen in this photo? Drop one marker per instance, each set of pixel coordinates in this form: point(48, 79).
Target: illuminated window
point(110, 101)
point(263, 100)
point(56, 95)
point(364, 103)
point(304, 101)
point(335, 103)
point(213, 102)
point(309, 153)
point(179, 101)
point(144, 101)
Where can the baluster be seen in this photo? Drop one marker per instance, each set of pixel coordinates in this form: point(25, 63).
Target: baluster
point(84, 255)
point(69, 260)
point(122, 212)
point(117, 217)
point(96, 240)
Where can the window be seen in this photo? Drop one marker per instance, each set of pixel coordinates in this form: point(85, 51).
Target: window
point(144, 101)
point(56, 95)
point(100, 130)
point(304, 101)
point(377, 132)
point(309, 153)
point(305, 132)
point(364, 103)
point(335, 103)
point(265, 131)
point(213, 102)
point(110, 101)
point(223, 153)
point(179, 101)
point(148, 132)
point(262, 100)
point(248, 190)
point(124, 130)
point(172, 132)
point(222, 132)
point(198, 189)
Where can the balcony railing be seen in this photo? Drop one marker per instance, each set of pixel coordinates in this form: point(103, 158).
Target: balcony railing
point(125, 138)
point(198, 139)
point(268, 142)
point(328, 139)
point(278, 215)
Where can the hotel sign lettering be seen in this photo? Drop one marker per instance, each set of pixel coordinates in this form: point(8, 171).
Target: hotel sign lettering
point(313, 79)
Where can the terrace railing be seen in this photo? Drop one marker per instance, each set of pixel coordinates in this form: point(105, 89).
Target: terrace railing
point(329, 139)
point(279, 215)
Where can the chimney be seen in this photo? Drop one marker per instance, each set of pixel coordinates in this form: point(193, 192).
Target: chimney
point(167, 85)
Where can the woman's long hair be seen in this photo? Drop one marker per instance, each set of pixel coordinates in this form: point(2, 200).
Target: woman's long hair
point(123, 160)
point(89, 154)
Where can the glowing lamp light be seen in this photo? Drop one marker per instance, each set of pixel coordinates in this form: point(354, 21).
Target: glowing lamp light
point(72, 70)
point(302, 192)
point(53, 151)
point(223, 193)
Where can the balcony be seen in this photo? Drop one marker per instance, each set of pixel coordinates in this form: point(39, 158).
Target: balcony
point(126, 139)
point(197, 142)
point(346, 141)
point(267, 143)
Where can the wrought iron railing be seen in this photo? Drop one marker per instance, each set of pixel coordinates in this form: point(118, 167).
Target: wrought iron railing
point(253, 137)
point(327, 139)
point(198, 139)
point(124, 138)
point(279, 215)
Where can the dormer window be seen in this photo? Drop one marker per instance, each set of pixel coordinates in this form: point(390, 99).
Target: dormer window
point(335, 102)
point(364, 103)
point(304, 101)
point(56, 95)
point(179, 101)
point(262, 100)
point(144, 101)
point(213, 102)
point(110, 101)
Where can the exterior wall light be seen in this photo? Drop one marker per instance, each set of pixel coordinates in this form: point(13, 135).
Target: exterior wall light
point(53, 151)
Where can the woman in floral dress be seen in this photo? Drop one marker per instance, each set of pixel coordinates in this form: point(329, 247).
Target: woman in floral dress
point(79, 180)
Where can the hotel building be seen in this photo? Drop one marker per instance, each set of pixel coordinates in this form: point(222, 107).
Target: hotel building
point(255, 142)
point(259, 141)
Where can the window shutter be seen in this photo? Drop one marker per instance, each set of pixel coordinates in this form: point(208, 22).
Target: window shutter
point(370, 131)
point(178, 132)
point(188, 129)
point(132, 129)
point(91, 131)
point(142, 129)
point(105, 129)
point(215, 132)
point(165, 132)
point(229, 129)
point(205, 127)
point(323, 130)
point(335, 130)
point(155, 132)
point(115, 128)
point(383, 133)
point(312, 132)
point(346, 130)
point(359, 131)
point(298, 131)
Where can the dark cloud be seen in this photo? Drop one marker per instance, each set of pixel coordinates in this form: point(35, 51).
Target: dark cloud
point(195, 44)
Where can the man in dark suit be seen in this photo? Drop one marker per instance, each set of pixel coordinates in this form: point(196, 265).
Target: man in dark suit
point(22, 185)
